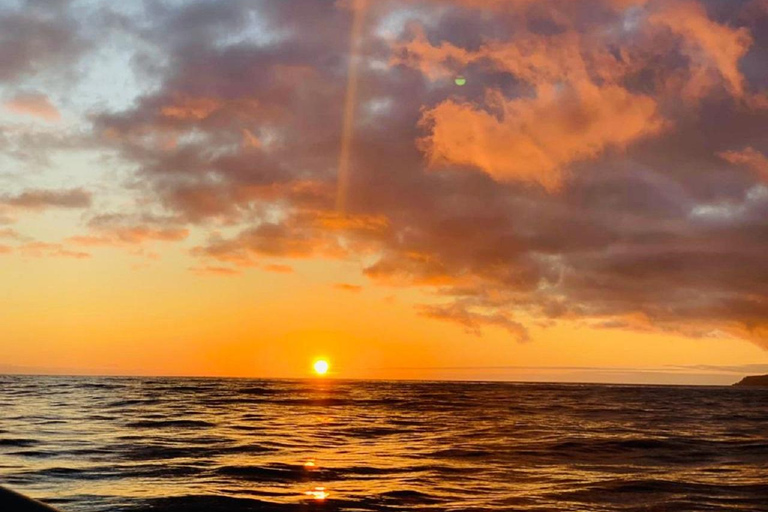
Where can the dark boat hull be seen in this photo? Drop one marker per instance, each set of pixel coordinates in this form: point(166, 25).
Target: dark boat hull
point(11, 501)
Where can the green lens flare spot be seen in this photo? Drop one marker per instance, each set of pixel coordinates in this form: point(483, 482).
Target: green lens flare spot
point(460, 80)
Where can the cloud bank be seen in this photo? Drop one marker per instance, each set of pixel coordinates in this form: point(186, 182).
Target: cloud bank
point(604, 163)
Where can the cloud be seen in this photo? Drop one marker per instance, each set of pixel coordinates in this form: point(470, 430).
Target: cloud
point(12, 234)
point(410, 268)
point(279, 269)
point(4, 249)
point(122, 230)
point(35, 105)
point(741, 369)
point(40, 199)
point(281, 240)
point(748, 157)
point(576, 107)
point(187, 108)
point(473, 321)
point(582, 174)
point(131, 235)
point(713, 49)
point(35, 39)
point(50, 250)
point(215, 271)
point(302, 235)
point(535, 140)
point(346, 287)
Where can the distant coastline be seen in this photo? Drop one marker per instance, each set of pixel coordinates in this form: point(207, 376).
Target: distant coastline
point(753, 381)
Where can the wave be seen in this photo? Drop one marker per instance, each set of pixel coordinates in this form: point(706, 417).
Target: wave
point(170, 424)
point(208, 503)
point(460, 453)
point(230, 445)
point(274, 473)
point(618, 490)
point(131, 402)
point(18, 442)
point(407, 496)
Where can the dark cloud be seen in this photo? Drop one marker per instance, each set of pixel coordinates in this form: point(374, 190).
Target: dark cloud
point(42, 199)
point(270, 240)
point(603, 163)
point(37, 37)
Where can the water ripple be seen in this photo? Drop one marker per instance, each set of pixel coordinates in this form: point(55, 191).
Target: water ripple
point(131, 445)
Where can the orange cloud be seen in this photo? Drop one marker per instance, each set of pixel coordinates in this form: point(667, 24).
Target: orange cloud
point(215, 271)
point(4, 249)
point(750, 158)
point(410, 268)
point(536, 59)
point(279, 269)
point(183, 107)
point(714, 50)
point(250, 140)
point(191, 108)
point(579, 103)
point(304, 234)
point(44, 249)
point(346, 287)
point(10, 233)
point(534, 140)
point(518, 4)
point(131, 235)
point(34, 105)
point(473, 321)
point(570, 117)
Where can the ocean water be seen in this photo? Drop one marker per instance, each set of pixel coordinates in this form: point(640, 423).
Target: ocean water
point(135, 444)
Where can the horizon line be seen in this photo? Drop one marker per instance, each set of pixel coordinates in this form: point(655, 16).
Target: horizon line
point(357, 379)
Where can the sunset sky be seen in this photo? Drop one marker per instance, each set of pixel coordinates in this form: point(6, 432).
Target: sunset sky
point(239, 187)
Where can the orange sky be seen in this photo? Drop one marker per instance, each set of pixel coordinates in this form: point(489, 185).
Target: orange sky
point(589, 206)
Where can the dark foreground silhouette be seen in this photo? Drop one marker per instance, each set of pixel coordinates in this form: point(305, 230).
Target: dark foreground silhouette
point(15, 502)
point(753, 381)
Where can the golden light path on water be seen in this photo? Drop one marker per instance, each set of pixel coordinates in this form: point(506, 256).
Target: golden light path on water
point(359, 8)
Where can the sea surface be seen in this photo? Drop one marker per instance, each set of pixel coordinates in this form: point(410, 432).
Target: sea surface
point(164, 444)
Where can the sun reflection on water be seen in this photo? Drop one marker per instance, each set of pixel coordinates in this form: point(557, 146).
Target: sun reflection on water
point(318, 493)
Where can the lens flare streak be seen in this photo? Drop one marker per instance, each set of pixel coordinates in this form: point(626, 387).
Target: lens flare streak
point(350, 103)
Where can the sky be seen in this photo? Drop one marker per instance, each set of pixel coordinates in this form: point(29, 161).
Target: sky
point(239, 188)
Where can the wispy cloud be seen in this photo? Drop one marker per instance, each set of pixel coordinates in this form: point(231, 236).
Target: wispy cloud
point(46, 249)
point(346, 287)
point(39, 199)
point(35, 105)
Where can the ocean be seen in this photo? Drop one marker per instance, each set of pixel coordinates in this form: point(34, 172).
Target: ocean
point(86, 444)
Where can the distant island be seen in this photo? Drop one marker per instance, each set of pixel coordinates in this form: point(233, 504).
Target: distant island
point(753, 381)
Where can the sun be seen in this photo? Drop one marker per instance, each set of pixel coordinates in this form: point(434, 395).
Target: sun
point(321, 366)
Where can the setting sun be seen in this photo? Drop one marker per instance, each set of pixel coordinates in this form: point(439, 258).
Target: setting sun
point(321, 366)
point(383, 255)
